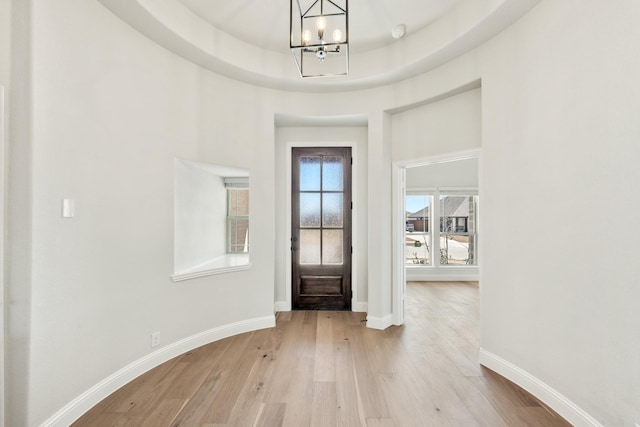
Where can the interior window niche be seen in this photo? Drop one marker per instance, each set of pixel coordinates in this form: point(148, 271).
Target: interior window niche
point(211, 219)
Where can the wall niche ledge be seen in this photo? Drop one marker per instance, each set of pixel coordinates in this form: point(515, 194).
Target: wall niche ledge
point(224, 264)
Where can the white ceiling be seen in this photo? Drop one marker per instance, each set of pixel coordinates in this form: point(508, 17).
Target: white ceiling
point(247, 40)
point(265, 23)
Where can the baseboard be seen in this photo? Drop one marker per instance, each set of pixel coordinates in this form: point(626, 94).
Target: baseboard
point(87, 400)
point(379, 322)
point(431, 277)
point(555, 400)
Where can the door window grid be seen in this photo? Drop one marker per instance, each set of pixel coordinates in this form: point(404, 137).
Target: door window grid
point(321, 210)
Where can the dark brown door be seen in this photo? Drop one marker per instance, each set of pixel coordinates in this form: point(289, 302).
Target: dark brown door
point(321, 228)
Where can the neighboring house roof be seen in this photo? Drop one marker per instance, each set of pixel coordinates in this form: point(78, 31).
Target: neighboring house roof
point(422, 213)
point(453, 206)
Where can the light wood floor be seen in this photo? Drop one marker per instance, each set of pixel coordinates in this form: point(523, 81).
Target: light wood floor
point(319, 368)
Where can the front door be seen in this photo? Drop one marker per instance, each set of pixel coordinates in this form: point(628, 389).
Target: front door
point(321, 228)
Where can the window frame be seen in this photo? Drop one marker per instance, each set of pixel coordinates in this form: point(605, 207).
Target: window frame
point(444, 224)
point(429, 233)
point(234, 219)
point(436, 231)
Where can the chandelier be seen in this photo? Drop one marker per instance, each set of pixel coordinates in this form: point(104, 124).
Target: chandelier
point(320, 37)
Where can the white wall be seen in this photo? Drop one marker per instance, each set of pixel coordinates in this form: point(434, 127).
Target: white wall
point(110, 113)
point(561, 101)
point(18, 244)
point(5, 63)
point(444, 126)
point(459, 173)
point(315, 135)
point(5, 41)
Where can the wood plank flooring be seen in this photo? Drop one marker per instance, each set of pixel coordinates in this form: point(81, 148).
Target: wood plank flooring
point(321, 368)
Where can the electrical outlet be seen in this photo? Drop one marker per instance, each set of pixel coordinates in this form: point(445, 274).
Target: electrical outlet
point(155, 339)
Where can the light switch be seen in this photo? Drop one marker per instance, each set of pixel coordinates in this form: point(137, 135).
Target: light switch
point(68, 208)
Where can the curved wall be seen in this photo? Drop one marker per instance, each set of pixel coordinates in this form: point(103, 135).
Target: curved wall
point(560, 132)
point(111, 110)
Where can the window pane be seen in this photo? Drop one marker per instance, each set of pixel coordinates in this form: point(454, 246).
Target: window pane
point(309, 247)
point(332, 245)
point(454, 210)
point(418, 212)
point(417, 227)
point(238, 202)
point(238, 235)
point(332, 174)
point(309, 210)
point(309, 173)
point(418, 249)
point(457, 224)
point(456, 249)
point(332, 210)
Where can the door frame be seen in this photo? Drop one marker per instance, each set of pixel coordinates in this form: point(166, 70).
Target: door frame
point(354, 214)
point(399, 189)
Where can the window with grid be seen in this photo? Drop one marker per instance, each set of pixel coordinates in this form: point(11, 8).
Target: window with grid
point(237, 220)
point(458, 229)
point(418, 229)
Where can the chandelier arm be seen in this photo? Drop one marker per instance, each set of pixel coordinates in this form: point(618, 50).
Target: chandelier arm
point(343, 10)
point(304, 15)
point(325, 15)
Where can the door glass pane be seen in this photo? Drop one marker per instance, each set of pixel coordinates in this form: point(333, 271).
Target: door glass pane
point(332, 177)
point(309, 247)
point(309, 210)
point(309, 173)
point(332, 210)
point(332, 246)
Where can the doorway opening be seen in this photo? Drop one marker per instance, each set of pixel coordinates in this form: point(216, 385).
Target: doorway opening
point(435, 231)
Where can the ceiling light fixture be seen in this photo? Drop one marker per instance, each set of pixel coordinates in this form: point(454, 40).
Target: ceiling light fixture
point(320, 37)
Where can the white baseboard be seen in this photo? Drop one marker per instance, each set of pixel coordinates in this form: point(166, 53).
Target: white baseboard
point(87, 400)
point(379, 322)
point(555, 400)
point(417, 276)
